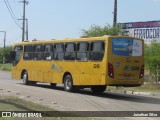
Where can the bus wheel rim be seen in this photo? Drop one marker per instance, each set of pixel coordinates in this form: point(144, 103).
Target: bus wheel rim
point(68, 83)
point(24, 77)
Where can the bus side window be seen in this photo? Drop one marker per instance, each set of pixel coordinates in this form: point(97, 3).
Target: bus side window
point(58, 51)
point(18, 50)
point(28, 52)
point(83, 51)
point(97, 51)
point(47, 52)
point(38, 52)
point(70, 49)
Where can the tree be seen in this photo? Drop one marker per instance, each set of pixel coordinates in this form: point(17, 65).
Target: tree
point(6, 54)
point(95, 31)
point(152, 59)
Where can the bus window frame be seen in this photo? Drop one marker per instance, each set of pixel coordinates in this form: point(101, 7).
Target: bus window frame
point(51, 52)
point(74, 52)
point(91, 50)
point(38, 52)
point(20, 57)
point(56, 53)
point(87, 52)
point(29, 52)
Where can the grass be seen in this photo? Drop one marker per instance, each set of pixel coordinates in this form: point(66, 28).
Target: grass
point(147, 87)
point(8, 103)
point(5, 67)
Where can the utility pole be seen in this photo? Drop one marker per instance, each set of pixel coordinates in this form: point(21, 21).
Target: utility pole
point(26, 28)
point(24, 12)
point(115, 14)
point(4, 46)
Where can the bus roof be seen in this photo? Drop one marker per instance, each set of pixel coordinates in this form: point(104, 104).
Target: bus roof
point(71, 40)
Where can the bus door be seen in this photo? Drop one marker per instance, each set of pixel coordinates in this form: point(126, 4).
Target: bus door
point(126, 59)
point(38, 66)
point(16, 57)
point(46, 64)
point(56, 66)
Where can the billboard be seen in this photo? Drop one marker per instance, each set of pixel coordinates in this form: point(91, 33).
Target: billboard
point(148, 31)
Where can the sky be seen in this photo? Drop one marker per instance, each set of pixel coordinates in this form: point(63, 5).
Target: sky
point(59, 19)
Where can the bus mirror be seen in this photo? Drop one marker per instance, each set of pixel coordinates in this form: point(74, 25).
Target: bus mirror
point(12, 55)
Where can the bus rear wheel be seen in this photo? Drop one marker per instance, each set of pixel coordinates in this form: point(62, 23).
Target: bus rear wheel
point(25, 78)
point(68, 83)
point(98, 89)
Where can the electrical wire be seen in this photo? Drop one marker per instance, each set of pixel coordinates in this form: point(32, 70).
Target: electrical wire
point(11, 12)
point(17, 12)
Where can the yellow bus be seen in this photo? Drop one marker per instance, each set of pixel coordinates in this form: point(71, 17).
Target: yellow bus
point(94, 62)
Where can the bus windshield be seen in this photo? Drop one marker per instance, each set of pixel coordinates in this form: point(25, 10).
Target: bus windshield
point(126, 47)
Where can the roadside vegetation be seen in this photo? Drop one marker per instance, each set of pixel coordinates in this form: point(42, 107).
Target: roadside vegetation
point(5, 67)
point(96, 31)
point(5, 54)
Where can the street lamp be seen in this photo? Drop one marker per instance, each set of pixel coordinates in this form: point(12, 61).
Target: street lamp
point(4, 46)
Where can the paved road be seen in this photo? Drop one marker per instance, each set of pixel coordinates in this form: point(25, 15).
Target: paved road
point(84, 100)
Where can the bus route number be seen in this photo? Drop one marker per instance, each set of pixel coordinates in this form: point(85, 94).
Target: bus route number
point(96, 65)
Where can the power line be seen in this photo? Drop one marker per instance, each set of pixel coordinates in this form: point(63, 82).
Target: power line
point(16, 9)
point(11, 12)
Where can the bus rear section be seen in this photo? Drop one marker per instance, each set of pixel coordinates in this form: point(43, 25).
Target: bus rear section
point(125, 62)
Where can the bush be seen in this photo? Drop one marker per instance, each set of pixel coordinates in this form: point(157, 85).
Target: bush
point(95, 31)
point(6, 54)
point(5, 67)
point(152, 60)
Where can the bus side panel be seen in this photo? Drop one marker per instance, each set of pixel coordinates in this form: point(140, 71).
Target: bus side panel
point(47, 72)
point(90, 73)
point(59, 68)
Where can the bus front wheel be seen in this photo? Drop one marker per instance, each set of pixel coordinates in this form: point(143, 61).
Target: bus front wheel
point(98, 89)
point(25, 78)
point(68, 83)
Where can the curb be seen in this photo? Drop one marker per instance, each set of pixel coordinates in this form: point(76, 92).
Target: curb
point(136, 93)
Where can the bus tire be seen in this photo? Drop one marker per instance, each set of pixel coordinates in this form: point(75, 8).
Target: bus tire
point(25, 78)
point(53, 85)
point(68, 83)
point(98, 89)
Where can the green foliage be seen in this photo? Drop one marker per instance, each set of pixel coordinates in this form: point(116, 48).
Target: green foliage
point(152, 59)
point(6, 54)
point(95, 31)
point(5, 67)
